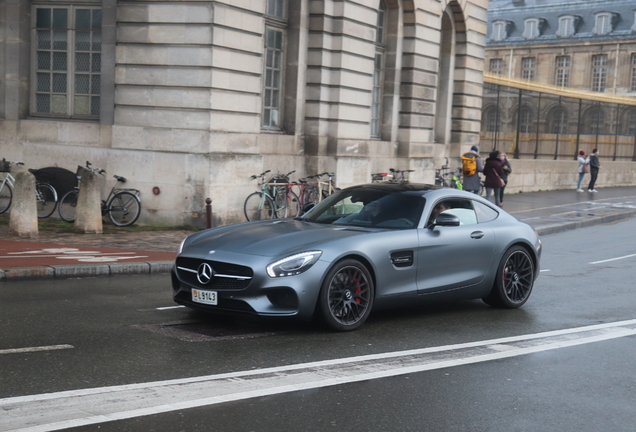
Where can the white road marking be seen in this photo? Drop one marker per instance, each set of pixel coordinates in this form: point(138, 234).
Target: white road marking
point(170, 307)
point(596, 201)
point(613, 259)
point(546, 270)
point(35, 349)
point(67, 409)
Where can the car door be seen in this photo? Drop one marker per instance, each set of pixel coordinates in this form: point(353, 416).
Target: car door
point(450, 257)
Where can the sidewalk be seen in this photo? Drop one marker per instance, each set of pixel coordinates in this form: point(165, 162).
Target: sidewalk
point(58, 252)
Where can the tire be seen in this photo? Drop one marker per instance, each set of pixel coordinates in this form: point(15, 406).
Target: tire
point(46, 198)
point(281, 204)
point(346, 296)
point(293, 202)
point(124, 209)
point(514, 280)
point(314, 196)
point(6, 196)
point(258, 207)
point(68, 205)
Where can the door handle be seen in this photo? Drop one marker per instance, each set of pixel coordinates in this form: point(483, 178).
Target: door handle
point(477, 234)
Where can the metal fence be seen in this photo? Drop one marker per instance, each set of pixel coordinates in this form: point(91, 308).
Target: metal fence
point(534, 121)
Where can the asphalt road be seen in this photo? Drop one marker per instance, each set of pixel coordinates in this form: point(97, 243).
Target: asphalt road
point(563, 362)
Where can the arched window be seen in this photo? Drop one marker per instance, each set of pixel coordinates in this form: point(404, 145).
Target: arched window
point(491, 120)
point(525, 120)
point(559, 121)
point(595, 122)
point(378, 67)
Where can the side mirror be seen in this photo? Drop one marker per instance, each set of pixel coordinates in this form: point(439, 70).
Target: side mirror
point(446, 219)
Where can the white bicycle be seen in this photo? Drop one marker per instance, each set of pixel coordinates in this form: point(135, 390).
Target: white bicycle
point(45, 194)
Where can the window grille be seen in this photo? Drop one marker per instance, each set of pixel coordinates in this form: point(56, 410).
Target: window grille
point(527, 68)
point(562, 71)
point(599, 72)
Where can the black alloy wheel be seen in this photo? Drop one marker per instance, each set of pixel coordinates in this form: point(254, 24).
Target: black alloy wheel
point(347, 295)
point(514, 280)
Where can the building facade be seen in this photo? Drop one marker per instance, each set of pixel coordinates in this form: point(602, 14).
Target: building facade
point(192, 98)
point(586, 47)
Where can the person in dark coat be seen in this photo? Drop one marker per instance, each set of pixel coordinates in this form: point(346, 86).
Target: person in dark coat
point(507, 169)
point(594, 167)
point(493, 170)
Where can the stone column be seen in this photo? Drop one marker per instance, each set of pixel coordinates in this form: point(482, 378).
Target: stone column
point(23, 220)
point(88, 214)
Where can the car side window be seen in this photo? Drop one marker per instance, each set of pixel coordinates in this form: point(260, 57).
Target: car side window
point(462, 208)
point(484, 212)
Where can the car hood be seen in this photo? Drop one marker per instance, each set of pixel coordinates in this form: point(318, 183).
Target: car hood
point(269, 238)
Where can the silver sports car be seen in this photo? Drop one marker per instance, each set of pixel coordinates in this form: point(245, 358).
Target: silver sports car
point(363, 248)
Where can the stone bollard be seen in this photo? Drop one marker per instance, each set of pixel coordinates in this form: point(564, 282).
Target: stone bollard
point(23, 219)
point(88, 214)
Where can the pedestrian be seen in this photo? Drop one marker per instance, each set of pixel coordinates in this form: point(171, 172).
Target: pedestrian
point(471, 167)
point(584, 168)
point(507, 169)
point(594, 167)
point(493, 170)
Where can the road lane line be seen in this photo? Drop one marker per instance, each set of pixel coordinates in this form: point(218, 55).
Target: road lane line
point(35, 349)
point(612, 259)
point(55, 411)
point(169, 307)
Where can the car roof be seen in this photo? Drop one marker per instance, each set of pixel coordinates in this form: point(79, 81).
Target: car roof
point(397, 187)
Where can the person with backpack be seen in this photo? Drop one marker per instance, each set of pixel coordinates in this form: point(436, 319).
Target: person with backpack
point(594, 167)
point(471, 167)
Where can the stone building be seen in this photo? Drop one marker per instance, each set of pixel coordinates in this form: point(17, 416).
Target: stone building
point(578, 45)
point(191, 98)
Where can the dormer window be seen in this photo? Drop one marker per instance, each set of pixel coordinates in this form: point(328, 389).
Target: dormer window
point(499, 30)
point(604, 23)
point(533, 27)
point(567, 25)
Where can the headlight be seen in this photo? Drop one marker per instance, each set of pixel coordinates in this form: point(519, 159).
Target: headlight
point(181, 246)
point(293, 265)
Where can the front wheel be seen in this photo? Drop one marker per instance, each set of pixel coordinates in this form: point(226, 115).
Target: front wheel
point(514, 279)
point(124, 209)
point(346, 296)
point(258, 207)
point(68, 206)
point(46, 199)
point(6, 196)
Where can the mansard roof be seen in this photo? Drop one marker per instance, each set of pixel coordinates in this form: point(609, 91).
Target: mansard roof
point(515, 12)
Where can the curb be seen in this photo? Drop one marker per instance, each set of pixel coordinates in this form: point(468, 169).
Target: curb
point(598, 220)
point(72, 271)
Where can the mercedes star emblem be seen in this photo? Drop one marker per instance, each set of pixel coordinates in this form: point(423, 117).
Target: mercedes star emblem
point(205, 273)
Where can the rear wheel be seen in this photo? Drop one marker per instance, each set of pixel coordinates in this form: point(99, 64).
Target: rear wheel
point(514, 280)
point(124, 209)
point(346, 296)
point(68, 205)
point(6, 196)
point(258, 207)
point(46, 198)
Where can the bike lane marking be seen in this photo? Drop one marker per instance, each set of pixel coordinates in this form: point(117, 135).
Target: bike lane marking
point(67, 409)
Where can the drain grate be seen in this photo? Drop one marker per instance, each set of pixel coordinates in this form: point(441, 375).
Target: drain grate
point(206, 331)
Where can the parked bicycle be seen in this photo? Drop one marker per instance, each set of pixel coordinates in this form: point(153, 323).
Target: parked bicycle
point(399, 176)
point(325, 188)
point(45, 194)
point(123, 206)
point(260, 205)
point(454, 179)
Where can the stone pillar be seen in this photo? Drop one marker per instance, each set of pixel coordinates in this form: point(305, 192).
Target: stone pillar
point(88, 214)
point(23, 220)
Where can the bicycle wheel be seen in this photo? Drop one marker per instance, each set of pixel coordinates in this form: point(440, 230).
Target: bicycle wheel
point(124, 209)
point(293, 203)
point(68, 205)
point(285, 203)
point(258, 207)
point(46, 198)
point(6, 196)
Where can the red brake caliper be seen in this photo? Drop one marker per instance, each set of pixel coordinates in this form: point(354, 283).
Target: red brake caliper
point(357, 291)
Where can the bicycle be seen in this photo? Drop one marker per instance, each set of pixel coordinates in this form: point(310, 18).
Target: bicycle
point(123, 206)
point(325, 188)
point(260, 205)
point(399, 176)
point(45, 194)
point(286, 202)
point(307, 194)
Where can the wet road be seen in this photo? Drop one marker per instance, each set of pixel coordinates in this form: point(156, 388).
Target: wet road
point(468, 367)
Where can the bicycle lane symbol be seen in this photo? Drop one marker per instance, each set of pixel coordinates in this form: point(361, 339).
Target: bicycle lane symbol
point(75, 254)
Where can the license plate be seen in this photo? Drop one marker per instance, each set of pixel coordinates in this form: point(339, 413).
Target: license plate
point(207, 297)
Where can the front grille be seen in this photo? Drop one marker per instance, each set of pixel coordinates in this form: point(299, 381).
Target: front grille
point(227, 276)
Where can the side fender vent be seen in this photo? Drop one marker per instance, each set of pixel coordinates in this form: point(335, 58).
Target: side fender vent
point(402, 258)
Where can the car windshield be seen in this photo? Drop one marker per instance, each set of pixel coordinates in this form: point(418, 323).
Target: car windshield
point(370, 208)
